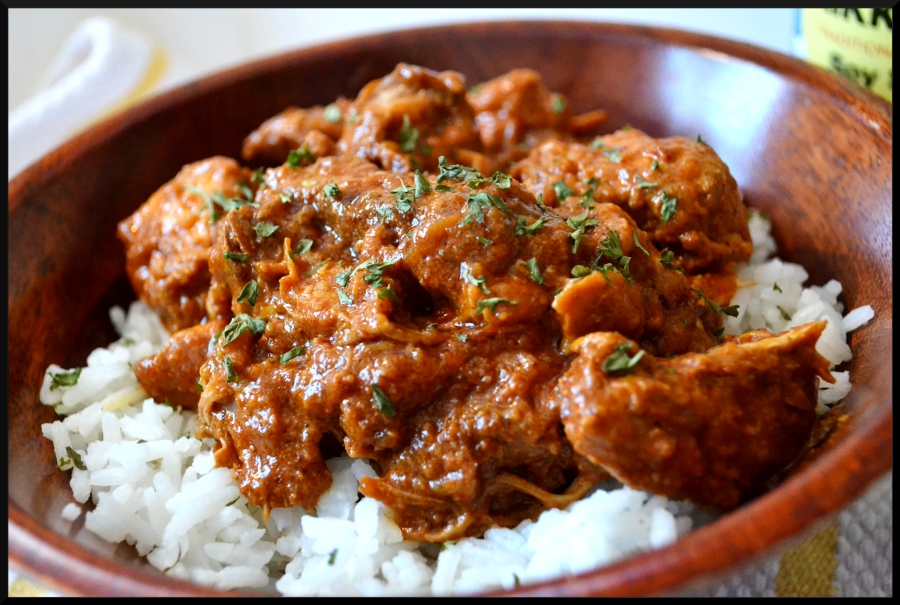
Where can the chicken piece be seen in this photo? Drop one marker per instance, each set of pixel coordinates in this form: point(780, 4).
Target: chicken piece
point(167, 240)
point(410, 118)
point(172, 374)
point(711, 427)
point(677, 190)
point(317, 127)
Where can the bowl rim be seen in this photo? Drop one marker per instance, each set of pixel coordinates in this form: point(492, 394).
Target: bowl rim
point(74, 569)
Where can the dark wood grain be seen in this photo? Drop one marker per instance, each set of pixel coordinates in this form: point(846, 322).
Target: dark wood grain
point(810, 150)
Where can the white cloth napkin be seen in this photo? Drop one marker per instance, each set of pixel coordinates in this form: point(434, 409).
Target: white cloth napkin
point(99, 66)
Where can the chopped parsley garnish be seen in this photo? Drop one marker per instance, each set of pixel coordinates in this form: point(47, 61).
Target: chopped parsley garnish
point(485, 241)
point(141, 441)
point(233, 502)
point(387, 292)
point(718, 334)
point(404, 197)
point(502, 180)
point(784, 314)
point(523, 229)
point(642, 184)
point(315, 268)
point(462, 337)
point(611, 246)
point(199, 385)
point(409, 136)
point(638, 243)
point(230, 375)
point(478, 282)
point(344, 297)
point(331, 190)
point(211, 200)
point(422, 184)
point(667, 259)
point(386, 213)
point(258, 177)
point(443, 188)
point(776, 288)
point(540, 202)
point(562, 191)
point(332, 114)
point(580, 271)
point(613, 155)
point(701, 141)
point(64, 379)
point(620, 361)
point(491, 303)
point(382, 402)
point(731, 311)
point(299, 156)
point(285, 198)
point(265, 229)
point(343, 278)
point(75, 457)
point(375, 270)
point(667, 207)
point(477, 203)
point(249, 293)
point(456, 171)
point(534, 271)
point(597, 144)
point(240, 324)
point(558, 105)
point(332, 556)
point(304, 246)
point(654, 165)
point(295, 352)
point(579, 224)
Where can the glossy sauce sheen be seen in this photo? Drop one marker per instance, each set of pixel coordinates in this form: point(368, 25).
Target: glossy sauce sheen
point(459, 330)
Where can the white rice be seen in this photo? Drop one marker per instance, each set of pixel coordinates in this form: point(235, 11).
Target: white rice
point(154, 485)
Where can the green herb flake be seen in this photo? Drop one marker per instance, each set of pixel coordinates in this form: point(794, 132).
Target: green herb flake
point(199, 385)
point(718, 334)
point(332, 556)
point(332, 114)
point(300, 156)
point(562, 191)
point(382, 402)
point(233, 502)
point(643, 184)
point(237, 257)
point(344, 297)
point(265, 229)
point(230, 375)
point(580, 271)
point(501, 180)
point(240, 324)
point(540, 202)
point(64, 379)
point(579, 224)
point(534, 271)
point(701, 141)
point(667, 207)
point(295, 352)
point(141, 441)
point(620, 362)
point(523, 229)
point(558, 105)
point(485, 241)
point(597, 144)
point(613, 155)
point(776, 288)
point(443, 188)
point(462, 337)
point(343, 278)
point(455, 172)
point(637, 243)
point(304, 246)
point(315, 268)
point(386, 212)
point(611, 247)
point(331, 190)
point(387, 293)
point(667, 259)
point(784, 314)
point(249, 293)
point(258, 177)
point(404, 198)
point(76, 458)
point(409, 136)
point(375, 272)
point(731, 311)
point(478, 282)
point(654, 165)
point(422, 184)
point(491, 303)
point(476, 205)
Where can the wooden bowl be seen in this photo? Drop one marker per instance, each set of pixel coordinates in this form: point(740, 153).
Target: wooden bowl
point(810, 150)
